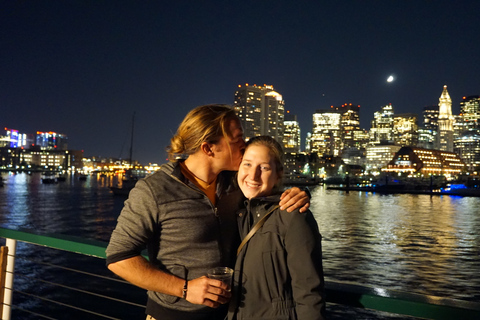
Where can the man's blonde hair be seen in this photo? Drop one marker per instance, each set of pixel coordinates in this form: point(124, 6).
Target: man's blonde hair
point(207, 123)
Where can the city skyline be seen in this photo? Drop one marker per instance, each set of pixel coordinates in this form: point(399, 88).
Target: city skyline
point(83, 69)
point(421, 121)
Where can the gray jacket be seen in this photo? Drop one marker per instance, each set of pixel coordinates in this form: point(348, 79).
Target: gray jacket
point(278, 273)
point(184, 233)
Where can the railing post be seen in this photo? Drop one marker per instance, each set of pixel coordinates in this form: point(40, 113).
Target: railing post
point(3, 272)
point(7, 298)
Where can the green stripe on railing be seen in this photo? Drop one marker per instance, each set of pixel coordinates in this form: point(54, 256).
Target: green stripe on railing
point(411, 304)
point(62, 242)
point(353, 295)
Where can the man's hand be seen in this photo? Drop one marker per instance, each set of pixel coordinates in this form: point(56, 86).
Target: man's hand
point(294, 198)
point(209, 292)
point(140, 272)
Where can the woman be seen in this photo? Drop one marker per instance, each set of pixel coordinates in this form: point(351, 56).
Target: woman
point(184, 215)
point(279, 272)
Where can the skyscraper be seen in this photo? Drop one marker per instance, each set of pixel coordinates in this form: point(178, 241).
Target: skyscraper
point(427, 135)
point(470, 113)
point(261, 111)
point(445, 122)
point(381, 131)
point(349, 125)
point(326, 134)
point(291, 137)
point(467, 133)
point(405, 129)
point(51, 141)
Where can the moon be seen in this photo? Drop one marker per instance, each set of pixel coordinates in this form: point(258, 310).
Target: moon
point(390, 79)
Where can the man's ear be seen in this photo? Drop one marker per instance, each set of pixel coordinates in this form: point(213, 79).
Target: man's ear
point(206, 148)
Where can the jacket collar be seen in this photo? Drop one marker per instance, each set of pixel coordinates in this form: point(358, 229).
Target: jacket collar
point(265, 202)
point(224, 179)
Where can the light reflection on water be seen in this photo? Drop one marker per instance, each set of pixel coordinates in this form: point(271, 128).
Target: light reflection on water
point(415, 243)
point(75, 207)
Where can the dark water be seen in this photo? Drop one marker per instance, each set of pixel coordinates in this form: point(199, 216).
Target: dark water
point(414, 243)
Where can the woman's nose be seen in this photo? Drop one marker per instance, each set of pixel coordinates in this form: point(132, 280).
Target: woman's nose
point(255, 172)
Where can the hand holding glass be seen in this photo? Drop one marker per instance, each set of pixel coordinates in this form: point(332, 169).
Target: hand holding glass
point(223, 274)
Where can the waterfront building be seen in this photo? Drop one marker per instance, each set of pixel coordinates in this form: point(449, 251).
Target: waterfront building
point(381, 131)
point(36, 159)
point(51, 141)
point(469, 117)
point(301, 168)
point(466, 133)
point(405, 129)
point(361, 139)
point(349, 125)
point(470, 112)
point(326, 133)
point(378, 157)
point(427, 134)
point(106, 164)
point(308, 142)
point(467, 146)
point(426, 138)
point(15, 139)
point(354, 156)
point(414, 161)
point(444, 139)
point(261, 111)
point(291, 137)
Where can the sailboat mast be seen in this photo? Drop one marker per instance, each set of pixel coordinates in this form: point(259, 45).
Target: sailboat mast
point(131, 141)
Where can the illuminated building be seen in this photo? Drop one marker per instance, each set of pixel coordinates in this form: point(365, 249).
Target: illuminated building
point(14, 139)
point(351, 134)
point(445, 122)
point(430, 117)
point(405, 129)
point(467, 133)
point(381, 131)
point(51, 141)
point(261, 111)
point(470, 112)
point(467, 146)
point(36, 159)
point(469, 117)
point(427, 134)
point(326, 134)
point(354, 156)
point(308, 142)
point(426, 162)
point(300, 167)
point(378, 156)
point(291, 137)
point(337, 129)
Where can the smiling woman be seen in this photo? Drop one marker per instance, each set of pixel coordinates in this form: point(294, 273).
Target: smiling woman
point(261, 169)
point(278, 272)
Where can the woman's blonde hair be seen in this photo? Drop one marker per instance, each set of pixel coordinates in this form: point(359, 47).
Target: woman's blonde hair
point(274, 148)
point(207, 123)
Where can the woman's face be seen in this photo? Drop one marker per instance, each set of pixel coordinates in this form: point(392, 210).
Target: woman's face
point(257, 175)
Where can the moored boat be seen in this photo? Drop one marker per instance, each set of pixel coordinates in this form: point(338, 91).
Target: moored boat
point(49, 178)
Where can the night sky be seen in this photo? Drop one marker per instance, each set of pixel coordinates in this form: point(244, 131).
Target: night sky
point(83, 68)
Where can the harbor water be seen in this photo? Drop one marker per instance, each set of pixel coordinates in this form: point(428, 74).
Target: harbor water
point(414, 243)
